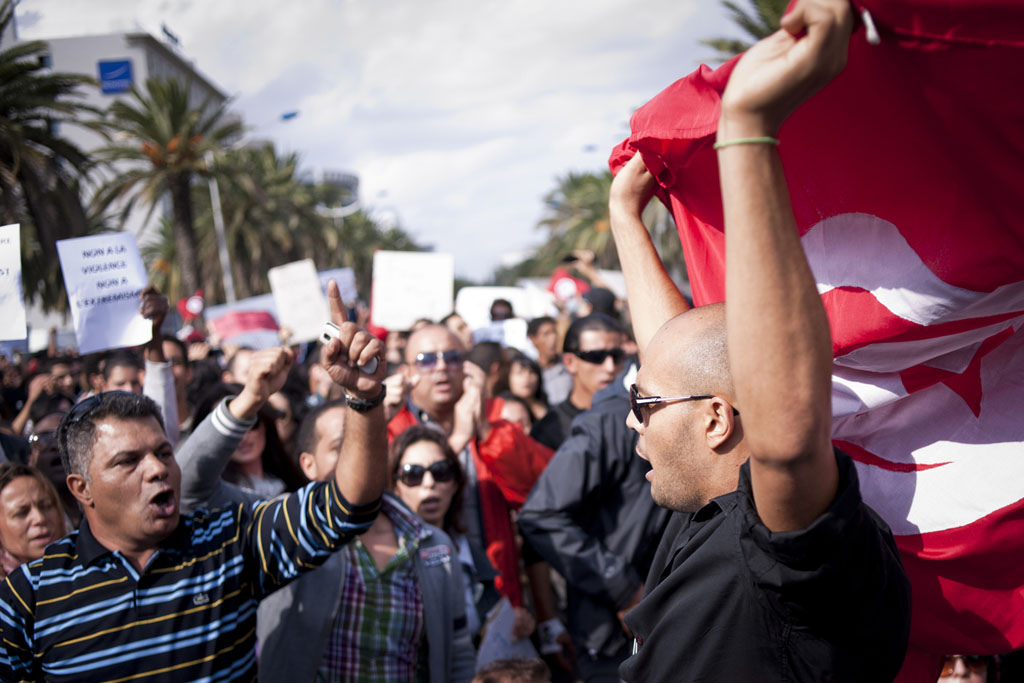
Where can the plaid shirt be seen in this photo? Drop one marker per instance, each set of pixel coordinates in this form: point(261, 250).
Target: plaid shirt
point(378, 631)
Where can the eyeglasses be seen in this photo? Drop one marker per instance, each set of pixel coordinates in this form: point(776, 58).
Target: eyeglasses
point(636, 401)
point(975, 664)
point(598, 356)
point(412, 475)
point(429, 359)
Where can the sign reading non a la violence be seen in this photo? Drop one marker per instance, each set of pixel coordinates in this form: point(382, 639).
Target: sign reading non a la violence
point(104, 275)
point(12, 303)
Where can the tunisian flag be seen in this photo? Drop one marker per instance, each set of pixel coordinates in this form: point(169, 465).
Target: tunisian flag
point(907, 180)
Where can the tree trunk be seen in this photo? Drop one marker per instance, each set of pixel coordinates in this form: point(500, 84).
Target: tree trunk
point(184, 235)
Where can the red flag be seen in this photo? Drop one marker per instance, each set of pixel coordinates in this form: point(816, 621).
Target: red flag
point(907, 180)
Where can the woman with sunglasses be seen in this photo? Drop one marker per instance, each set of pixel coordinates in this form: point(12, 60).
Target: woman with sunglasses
point(30, 516)
point(429, 480)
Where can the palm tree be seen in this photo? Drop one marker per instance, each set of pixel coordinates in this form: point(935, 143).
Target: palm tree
point(40, 171)
point(165, 139)
point(270, 215)
point(760, 21)
point(577, 218)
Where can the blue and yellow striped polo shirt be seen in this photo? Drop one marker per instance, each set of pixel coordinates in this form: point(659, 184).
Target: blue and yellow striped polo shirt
point(84, 613)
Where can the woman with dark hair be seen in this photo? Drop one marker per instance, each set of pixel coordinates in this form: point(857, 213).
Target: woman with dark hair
point(31, 517)
point(428, 478)
point(260, 463)
point(525, 380)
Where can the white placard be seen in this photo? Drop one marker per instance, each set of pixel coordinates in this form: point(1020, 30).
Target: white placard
point(346, 279)
point(299, 300)
point(12, 303)
point(409, 285)
point(104, 275)
point(511, 332)
point(474, 303)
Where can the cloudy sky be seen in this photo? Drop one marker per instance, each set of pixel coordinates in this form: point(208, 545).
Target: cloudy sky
point(458, 116)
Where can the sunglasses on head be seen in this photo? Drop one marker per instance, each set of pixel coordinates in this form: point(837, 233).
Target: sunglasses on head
point(44, 439)
point(81, 410)
point(975, 664)
point(430, 358)
point(412, 475)
point(598, 356)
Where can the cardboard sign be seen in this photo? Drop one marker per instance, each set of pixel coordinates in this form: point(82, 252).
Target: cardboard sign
point(409, 285)
point(12, 302)
point(104, 275)
point(299, 300)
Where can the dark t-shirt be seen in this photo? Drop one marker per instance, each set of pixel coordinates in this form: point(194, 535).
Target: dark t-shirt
point(554, 428)
point(728, 600)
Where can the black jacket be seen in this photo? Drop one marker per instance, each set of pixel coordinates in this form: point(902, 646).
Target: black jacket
point(591, 517)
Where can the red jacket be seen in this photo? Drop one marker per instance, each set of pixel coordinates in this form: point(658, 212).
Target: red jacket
point(507, 465)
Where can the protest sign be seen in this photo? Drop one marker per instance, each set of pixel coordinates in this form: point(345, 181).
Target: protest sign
point(409, 285)
point(346, 279)
point(250, 322)
point(299, 300)
point(511, 332)
point(12, 303)
point(474, 303)
point(104, 275)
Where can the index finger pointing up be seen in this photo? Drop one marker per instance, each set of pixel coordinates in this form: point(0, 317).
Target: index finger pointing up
point(338, 313)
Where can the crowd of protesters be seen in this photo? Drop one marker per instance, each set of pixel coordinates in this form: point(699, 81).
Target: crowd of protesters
point(377, 507)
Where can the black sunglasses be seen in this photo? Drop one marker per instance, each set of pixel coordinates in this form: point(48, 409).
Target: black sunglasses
point(636, 401)
point(412, 475)
point(598, 356)
point(430, 358)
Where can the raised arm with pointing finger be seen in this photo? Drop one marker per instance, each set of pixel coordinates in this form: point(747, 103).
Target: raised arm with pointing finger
point(138, 572)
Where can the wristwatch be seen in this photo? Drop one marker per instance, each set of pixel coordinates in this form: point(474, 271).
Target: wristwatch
point(361, 405)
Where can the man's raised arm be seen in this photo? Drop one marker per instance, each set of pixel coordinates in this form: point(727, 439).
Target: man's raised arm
point(363, 463)
point(780, 349)
point(653, 297)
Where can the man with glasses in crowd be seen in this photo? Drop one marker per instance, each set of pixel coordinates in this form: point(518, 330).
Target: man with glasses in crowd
point(501, 462)
point(141, 591)
point(592, 354)
point(772, 568)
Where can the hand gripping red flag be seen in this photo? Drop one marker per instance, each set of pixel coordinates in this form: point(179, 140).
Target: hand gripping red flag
point(907, 180)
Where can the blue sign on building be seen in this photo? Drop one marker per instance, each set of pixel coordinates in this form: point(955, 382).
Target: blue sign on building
point(115, 76)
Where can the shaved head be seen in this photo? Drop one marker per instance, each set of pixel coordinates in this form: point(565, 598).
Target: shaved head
point(694, 447)
point(690, 351)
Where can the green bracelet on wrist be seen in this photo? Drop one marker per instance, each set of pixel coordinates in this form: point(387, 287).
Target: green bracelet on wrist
point(763, 140)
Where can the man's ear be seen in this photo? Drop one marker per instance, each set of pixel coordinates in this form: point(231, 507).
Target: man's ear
point(569, 360)
point(719, 422)
point(80, 489)
point(308, 465)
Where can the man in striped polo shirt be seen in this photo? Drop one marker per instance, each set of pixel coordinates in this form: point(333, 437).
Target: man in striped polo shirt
point(141, 592)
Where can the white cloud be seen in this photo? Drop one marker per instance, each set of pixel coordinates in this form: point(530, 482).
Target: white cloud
point(464, 113)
